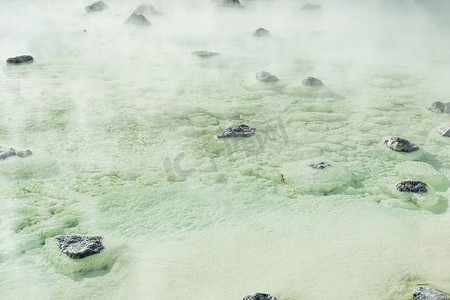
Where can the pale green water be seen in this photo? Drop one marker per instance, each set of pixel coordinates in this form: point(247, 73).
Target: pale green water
point(109, 113)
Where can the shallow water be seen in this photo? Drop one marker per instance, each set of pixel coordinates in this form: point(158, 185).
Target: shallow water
point(122, 123)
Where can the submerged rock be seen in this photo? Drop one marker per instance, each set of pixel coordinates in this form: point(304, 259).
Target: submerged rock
point(20, 59)
point(444, 130)
point(137, 19)
point(5, 153)
point(401, 145)
point(311, 7)
point(79, 246)
point(96, 6)
point(266, 77)
point(439, 107)
point(204, 53)
point(426, 293)
point(259, 296)
point(312, 81)
point(232, 2)
point(319, 165)
point(411, 186)
point(261, 32)
point(237, 131)
point(146, 9)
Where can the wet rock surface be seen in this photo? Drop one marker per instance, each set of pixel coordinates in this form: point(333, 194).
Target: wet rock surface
point(96, 6)
point(400, 145)
point(259, 296)
point(261, 32)
point(5, 153)
point(146, 9)
point(137, 19)
point(79, 246)
point(311, 7)
point(319, 165)
point(312, 81)
point(439, 107)
point(444, 130)
point(412, 186)
point(203, 53)
point(237, 131)
point(426, 293)
point(266, 77)
point(20, 59)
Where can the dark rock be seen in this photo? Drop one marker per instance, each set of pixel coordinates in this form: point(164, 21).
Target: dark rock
point(146, 9)
point(96, 6)
point(261, 32)
point(426, 293)
point(259, 296)
point(5, 153)
point(401, 145)
point(418, 187)
point(231, 2)
point(20, 59)
point(444, 130)
point(312, 81)
point(237, 131)
point(319, 165)
point(79, 246)
point(266, 77)
point(136, 19)
point(204, 53)
point(311, 7)
point(439, 107)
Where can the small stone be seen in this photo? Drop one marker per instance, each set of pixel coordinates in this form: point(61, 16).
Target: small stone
point(312, 81)
point(20, 59)
point(146, 9)
point(266, 77)
point(401, 145)
point(5, 153)
point(444, 130)
point(79, 246)
point(261, 32)
point(96, 6)
point(411, 186)
point(319, 165)
point(259, 296)
point(237, 131)
point(311, 7)
point(426, 293)
point(204, 53)
point(136, 19)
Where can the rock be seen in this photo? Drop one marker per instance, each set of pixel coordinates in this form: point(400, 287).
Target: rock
point(439, 107)
point(401, 145)
point(136, 19)
point(146, 9)
point(5, 153)
point(411, 186)
point(237, 131)
point(232, 2)
point(311, 81)
point(311, 7)
point(79, 246)
point(204, 53)
point(20, 59)
point(444, 130)
point(259, 296)
point(96, 6)
point(319, 165)
point(266, 77)
point(261, 32)
point(426, 293)
point(424, 172)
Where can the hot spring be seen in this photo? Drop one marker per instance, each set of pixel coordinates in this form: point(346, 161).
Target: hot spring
point(122, 121)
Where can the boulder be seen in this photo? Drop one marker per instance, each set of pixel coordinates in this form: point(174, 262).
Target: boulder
point(204, 53)
point(400, 145)
point(266, 77)
point(311, 7)
point(259, 296)
point(412, 186)
point(319, 165)
point(426, 293)
point(20, 59)
point(261, 32)
point(444, 130)
point(137, 19)
point(237, 131)
point(5, 153)
point(312, 81)
point(146, 9)
point(439, 107)
point(79, 246)
point(96, 6)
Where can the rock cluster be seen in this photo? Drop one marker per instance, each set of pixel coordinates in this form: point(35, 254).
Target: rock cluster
point(259, 296)
point(266, 77)
point(412, 186)
point(319, 165)
point(237, 131)
point(20, 59)
point(96, 6)
point(401, 145)
point(312, 81)
point(79, 246)
point(203, 53)
point(261, 32)
point(426, 293)
point(5, 153)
